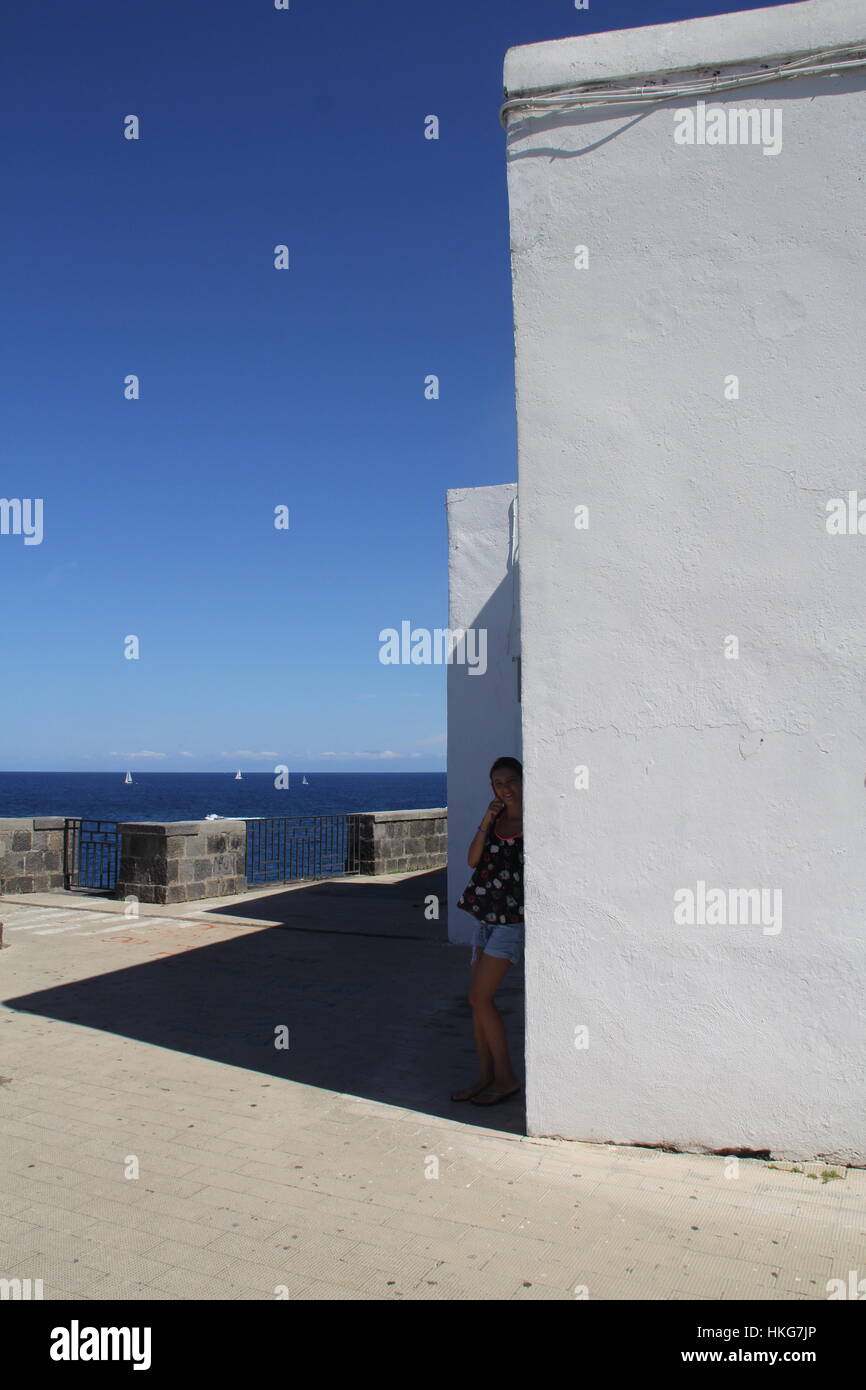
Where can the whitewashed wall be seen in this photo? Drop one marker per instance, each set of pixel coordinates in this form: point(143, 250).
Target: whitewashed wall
point(483, 710)
point(707, 519)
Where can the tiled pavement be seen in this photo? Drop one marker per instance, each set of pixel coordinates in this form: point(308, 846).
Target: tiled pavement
point(336, 1168)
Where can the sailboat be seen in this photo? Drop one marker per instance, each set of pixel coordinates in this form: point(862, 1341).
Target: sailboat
point(305, 783)
point(238, 777)
point(127, 779)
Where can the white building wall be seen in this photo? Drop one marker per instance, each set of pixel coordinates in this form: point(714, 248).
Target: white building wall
point(707, 520)
point(483, 709)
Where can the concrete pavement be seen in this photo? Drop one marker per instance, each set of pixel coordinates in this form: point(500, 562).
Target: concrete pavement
point(158, 1141)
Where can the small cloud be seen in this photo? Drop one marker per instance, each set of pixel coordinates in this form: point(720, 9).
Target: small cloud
point(368, 753)
point(248, 753)
point(186, 755)
point(145, 753)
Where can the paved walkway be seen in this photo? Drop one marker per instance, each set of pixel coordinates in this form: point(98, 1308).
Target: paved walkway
point(336, 1167)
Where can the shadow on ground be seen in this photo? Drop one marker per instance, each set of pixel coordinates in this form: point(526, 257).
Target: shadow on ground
point(372, 995)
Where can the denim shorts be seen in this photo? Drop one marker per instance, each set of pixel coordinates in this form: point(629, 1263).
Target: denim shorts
point(504, 941)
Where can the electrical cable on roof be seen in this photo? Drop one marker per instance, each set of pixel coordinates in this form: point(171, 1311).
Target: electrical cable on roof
point(823, 62)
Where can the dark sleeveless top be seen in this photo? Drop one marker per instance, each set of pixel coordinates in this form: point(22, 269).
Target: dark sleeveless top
point(495, 894)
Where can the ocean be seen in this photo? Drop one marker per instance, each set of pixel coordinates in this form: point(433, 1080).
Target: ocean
point(160, 796)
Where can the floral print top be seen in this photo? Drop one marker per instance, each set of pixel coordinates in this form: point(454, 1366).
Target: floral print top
point(495, 894)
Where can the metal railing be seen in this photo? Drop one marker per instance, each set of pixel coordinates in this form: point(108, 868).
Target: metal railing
point(91, 853)
point(283, 848)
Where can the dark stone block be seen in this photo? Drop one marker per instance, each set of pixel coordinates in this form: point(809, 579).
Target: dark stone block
point(133, 887)
point(22, 840)
point(144, 846)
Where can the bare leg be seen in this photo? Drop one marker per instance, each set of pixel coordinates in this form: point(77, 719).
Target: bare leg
point(489, 976)
point(482, 1047)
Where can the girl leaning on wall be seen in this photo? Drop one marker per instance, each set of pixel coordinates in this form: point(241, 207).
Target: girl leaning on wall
point(494, 897)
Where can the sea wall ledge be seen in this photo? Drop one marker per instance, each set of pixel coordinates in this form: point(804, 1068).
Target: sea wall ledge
point(185, 861)
point(398, 842)
point(31, 854)
point(181, 861)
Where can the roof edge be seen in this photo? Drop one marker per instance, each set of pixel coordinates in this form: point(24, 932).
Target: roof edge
point(743, 36)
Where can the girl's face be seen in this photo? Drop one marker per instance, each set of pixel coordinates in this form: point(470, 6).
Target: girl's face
point(508, 786)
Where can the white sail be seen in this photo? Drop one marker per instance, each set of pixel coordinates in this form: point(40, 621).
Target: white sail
point(238, 777)
point(128, 777)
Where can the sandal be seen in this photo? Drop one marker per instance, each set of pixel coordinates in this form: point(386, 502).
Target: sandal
point(497, 1100)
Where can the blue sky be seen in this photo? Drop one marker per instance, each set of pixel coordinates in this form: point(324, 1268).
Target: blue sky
point(258, 387)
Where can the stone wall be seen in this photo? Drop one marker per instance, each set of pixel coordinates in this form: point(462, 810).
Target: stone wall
point(181, 861)
point(184, 861)
point(396, 842)
point(31, 854)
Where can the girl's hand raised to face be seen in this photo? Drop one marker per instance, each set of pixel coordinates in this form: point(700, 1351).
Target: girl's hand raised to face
point(494, 808)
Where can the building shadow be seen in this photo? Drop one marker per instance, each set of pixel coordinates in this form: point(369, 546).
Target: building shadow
point(372, 995)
